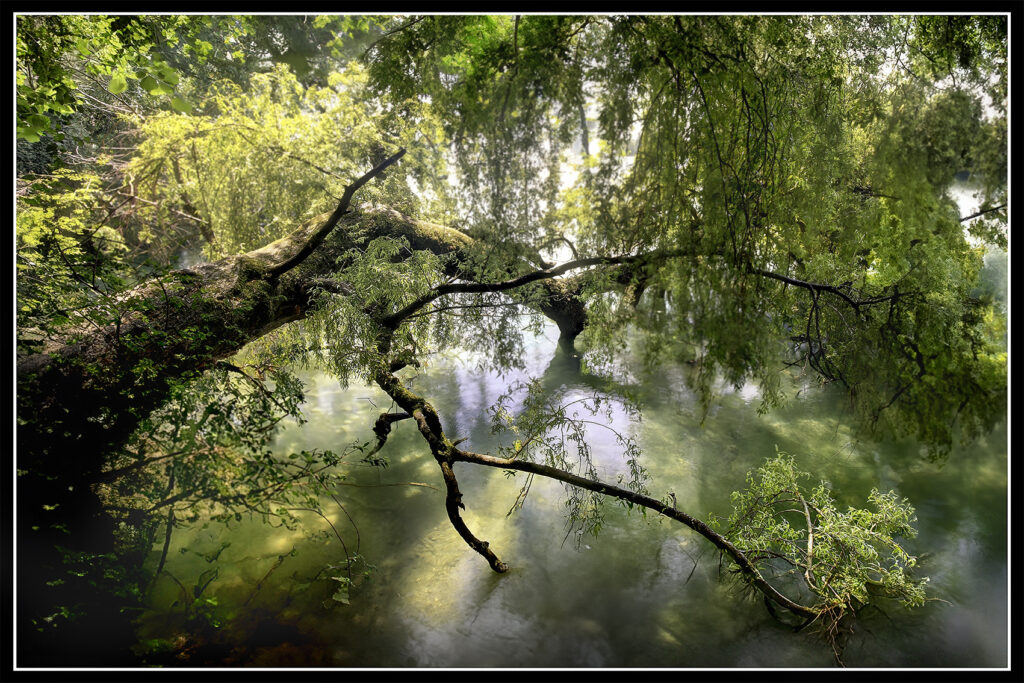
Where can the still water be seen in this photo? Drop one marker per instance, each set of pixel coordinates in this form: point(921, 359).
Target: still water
point(643, 593)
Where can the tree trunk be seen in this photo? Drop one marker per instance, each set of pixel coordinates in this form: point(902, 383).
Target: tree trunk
point(80, 398)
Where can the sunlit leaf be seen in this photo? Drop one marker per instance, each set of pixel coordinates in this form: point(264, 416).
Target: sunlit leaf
point(117, 83)
point(181, 105)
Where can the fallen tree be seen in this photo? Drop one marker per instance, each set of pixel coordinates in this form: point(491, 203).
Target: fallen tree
point(89, 392)
point(81, 396)
point(88, 389)
point(737, 238)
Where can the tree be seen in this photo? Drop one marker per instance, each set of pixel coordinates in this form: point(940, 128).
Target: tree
point(67, 63)
point(749, 193)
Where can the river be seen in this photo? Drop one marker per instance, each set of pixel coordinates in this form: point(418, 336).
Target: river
point(645, 592)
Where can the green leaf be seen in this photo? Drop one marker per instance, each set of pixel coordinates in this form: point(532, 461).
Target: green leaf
point(181, 105)
point(341, 595)
point(169, 75)
point(38, 122)
point(150, 85)
point(117, 84)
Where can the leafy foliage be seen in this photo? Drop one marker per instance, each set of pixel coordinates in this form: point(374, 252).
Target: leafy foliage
point(842, 558)
point(68, 260)
point(206, 454)
point(63, 59)
point(805, 147)
point(341, 335)
point(67, 62)
point(778, 188)
point(252, 163)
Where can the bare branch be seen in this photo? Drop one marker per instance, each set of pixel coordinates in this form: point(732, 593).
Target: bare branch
point(395, 319)
point(982, 212)
point(318, 237)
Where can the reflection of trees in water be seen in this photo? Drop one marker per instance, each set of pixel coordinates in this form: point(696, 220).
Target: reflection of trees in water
point(689, 610)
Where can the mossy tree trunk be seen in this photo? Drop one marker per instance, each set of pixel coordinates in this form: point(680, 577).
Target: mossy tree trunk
point(83, 395)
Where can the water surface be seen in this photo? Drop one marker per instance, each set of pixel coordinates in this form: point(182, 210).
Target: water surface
point(645, 592)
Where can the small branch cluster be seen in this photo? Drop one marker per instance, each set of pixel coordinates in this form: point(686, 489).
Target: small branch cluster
point(841, 557)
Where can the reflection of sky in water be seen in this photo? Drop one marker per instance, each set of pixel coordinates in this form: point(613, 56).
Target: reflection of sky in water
point(645, 592)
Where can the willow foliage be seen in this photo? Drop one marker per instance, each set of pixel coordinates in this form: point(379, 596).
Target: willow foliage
point(793, 173)
point(770, 155)
point(841, 559)
point(252, 163)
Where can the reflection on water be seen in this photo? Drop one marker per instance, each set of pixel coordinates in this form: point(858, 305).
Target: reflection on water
point(646, 592)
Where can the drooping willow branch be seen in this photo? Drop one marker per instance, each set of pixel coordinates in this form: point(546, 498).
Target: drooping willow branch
point(817, 357)
point(832, 289)
point(446, 453)
point(561, 238)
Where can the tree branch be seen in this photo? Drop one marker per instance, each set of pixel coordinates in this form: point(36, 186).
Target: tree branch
point(382, 427)
point(231, 367)
point(819, 287)
point(723, 544)
point(982, 212)
point(808, 572)
point(395, 319)
point(318, 237)
point(452, 503)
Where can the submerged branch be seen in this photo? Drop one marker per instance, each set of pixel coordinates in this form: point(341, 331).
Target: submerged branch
point(397, 483)
point(746, 566)
point(446, 453)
